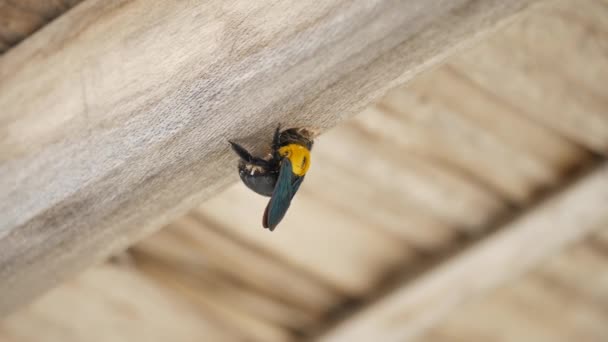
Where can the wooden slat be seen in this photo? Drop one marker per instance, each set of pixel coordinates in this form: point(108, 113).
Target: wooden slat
point(115, 117)
point(540, 155)
point(414, 307)
point(212, 262)
point(120, 305)
point(525, 311)
point(399, 175)
point(226, 304)
point(560, 54)
point(306, 228)
point(563, 300)
point(355, 192)
point(583, 270)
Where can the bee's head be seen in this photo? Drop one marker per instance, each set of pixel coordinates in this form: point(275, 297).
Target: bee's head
point(300, 136)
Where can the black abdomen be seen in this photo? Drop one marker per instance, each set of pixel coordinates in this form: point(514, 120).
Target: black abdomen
point(257, 179)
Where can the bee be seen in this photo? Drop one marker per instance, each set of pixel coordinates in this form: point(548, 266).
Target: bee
point(279, 174)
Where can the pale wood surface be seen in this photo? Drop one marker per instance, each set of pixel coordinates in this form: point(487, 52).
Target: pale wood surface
point(462, 151)
point(115, 117)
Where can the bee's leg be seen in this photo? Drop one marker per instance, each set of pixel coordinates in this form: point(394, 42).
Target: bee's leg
point(275, 138)
point(247, 157)
point(276, 144)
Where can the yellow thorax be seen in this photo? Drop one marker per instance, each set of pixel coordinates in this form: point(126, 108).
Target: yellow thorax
point(299, 156)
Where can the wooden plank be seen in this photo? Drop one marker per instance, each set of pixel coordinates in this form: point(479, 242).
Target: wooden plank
point(211, 262)
point(550, 307)
point(563, 300)
point(561, 53)
point(582, 270)
point(219, 302)
point(412, 308)
point(115, 117)
point(120, 305)
point(414, 182)
point(527, 310)
point(19, 19)
point(312, 223)
point(433, 130)
point(541, 156)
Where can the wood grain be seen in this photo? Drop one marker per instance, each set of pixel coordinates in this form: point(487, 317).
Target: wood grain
point(115, 117)
point(413, 308)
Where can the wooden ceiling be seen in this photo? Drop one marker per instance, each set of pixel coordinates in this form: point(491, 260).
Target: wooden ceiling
point(429, 176)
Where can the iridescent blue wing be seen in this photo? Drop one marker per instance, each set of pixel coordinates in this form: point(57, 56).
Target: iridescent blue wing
point(296, 185)
point(286, 187)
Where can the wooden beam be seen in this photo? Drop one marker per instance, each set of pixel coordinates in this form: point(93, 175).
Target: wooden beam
point(115, 116)
point(409, 310)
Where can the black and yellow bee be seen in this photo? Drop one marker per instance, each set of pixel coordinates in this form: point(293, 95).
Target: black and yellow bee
point(279, 174)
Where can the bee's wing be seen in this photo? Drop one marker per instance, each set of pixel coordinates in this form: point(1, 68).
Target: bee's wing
point(284, 190)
